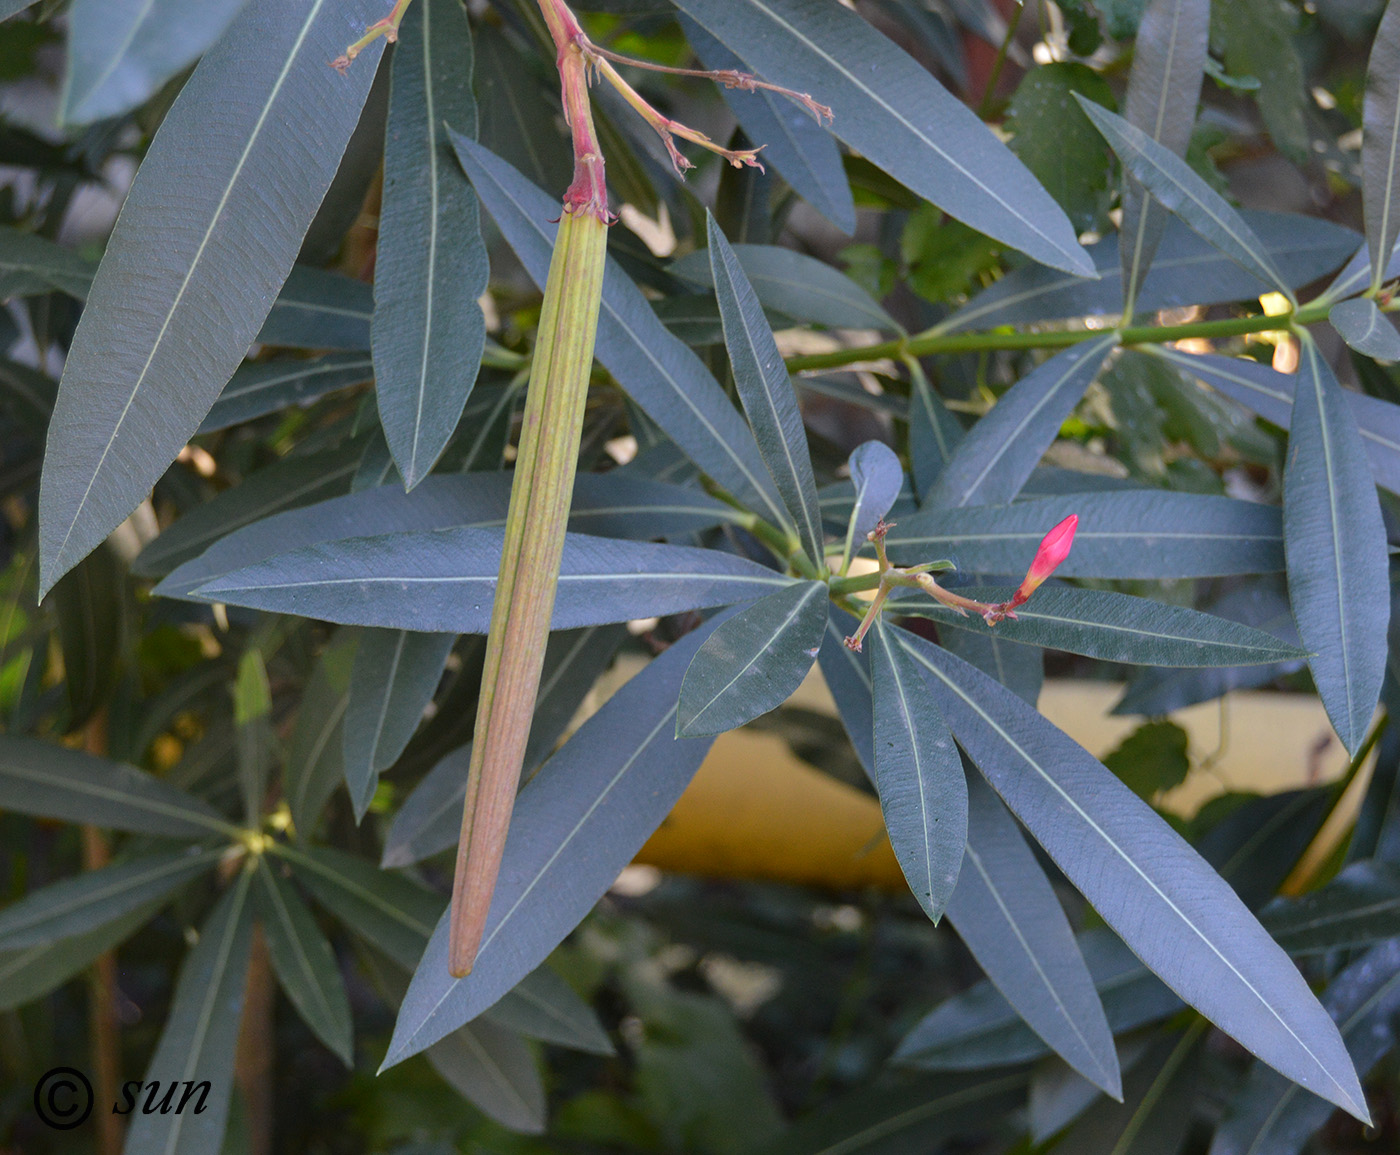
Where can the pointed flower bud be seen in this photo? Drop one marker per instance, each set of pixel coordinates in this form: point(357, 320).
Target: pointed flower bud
point(1054, 548)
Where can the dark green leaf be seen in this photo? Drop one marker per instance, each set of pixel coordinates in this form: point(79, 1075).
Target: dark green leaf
point(979, 1028)
point(1175, 912)
point(1381, 144)
point(892, 111)
point(31, 265)
point(923, 794)
point(31, 972)
point(119, 55)
point(428, 329)
point(76, 905)
point(1181, 191)
point(793, 142)
point(287, 484)
point(315, 764)
point(1365, 328)
point(995, 457)
point(317, 309)
point(543, 1006)
point(49, 781)
point(1159, 1094)
point(754, 662)
point(1336, 547)
point(1261, 41)
point(767, 394)
point(385, 908)
point(656, 370)
point(1151, 759)
point(1270, 395)
point(576, 824)
point(910, 1116)
point(1164, 88)
point(934, 433)
point(89, 603)
point(395, 675)
point(1006, 913)
point(430, 818)
point(360, 581)
point(196, 240)
point(518, 115)
point(1187, 271)
point(1021, 669)
point(270, 386)
point(1145, 534)
point(1359, 907)
point(847, 675)
point(201, 1033)
point(493, 1068)
point(304, 962)
point(797, 286)
point(1113, 627)
point(1056, 142)
point(1270, 1116)
point(877, 477)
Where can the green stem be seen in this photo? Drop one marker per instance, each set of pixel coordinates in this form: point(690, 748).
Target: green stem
point(932, 342)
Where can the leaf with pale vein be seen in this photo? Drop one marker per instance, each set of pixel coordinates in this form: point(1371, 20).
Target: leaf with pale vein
point(1365, 328)
point(1007, 914)
point(428, 330)
point(766, 391)
point(1168, 905)
point(1169, 59)
point(1380, 143)
point(1180, 190)
point(996, 456)
point(196, 259)
point(890, 109)
point(919, 776)
point(576, 824)
point(1335, 541)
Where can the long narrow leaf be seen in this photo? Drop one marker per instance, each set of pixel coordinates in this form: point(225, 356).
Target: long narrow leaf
point(1145, 534)
point(1115, 628)
point(1187, 271)
point(993, 460)
point(1174, 911)
point(754, 662)
point(395, 675)
point(576, 824)
point(269, 386)
point(360, 581)
point(1365, 328)
point(1335, 541)
point(201, 1033)
point(655, 368)
point(304, 962)
point(77, 904)
point(195, 241)
point(1270, 394)
point(799, 148)
point(119, 53)
point(1380, 145)
point(1180, 190)
point(430, 818)
point(1006, 912)
point(1360, 907)
point(1169, 59)
point(49, 781)
point(919, 775)
point(766, 391)
point(1272, 1116)
point(428, 330)
point(891, 110)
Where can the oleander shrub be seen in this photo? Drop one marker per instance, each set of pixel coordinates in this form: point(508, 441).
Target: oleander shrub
point(401, 402)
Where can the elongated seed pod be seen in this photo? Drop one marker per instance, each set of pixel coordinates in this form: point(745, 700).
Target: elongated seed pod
point(534, 541)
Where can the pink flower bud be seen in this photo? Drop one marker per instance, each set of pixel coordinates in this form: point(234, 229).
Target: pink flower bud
point(1054, 548)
